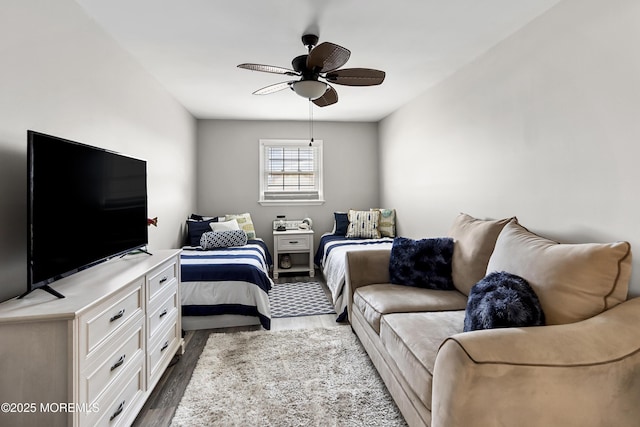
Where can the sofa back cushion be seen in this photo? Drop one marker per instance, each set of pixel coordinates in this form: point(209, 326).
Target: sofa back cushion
point(474, 242)
point(573, 281)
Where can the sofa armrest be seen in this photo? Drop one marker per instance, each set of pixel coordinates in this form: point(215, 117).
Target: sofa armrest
point(365, 268)
point(580, 374)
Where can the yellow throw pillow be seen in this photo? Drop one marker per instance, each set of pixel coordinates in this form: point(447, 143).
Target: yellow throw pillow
point(387, 223)
point(244, 222)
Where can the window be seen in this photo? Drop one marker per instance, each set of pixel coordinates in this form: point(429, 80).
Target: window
point(290, 172)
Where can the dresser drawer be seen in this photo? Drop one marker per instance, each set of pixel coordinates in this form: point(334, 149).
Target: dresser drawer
point(119, 406)
point(162, 350)
point(161, 277)
point(293, 243)
point(115, 359)
point(162, 310)
point(100, 322)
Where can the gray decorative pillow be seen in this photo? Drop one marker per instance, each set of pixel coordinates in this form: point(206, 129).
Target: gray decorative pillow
point(502, 300)
point(223, 239)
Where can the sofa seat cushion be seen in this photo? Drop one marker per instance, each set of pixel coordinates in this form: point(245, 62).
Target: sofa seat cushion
point(374, 301)
point(413, 339)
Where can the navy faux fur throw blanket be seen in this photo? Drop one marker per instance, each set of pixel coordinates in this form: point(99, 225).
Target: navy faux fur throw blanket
point(424, 263)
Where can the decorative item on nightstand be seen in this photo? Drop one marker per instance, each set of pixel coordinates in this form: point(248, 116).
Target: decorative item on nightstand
point(281, 223)
point(285, 261)
point(306, 224)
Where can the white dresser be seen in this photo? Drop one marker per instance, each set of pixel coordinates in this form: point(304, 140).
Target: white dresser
point(92, 358)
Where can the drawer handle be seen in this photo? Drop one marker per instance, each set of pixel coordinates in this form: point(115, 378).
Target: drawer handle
point(117, 316)
point(164, 279)
point(164, 347)
point(118, 411)
point(119, 362)
point(164, 313)
point(293, 242)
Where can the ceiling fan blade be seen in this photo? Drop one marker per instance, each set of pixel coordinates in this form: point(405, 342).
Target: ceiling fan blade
point(329, 97)
point(327, 57)
point(269, 69)
point(274, 88)
point(356, 77)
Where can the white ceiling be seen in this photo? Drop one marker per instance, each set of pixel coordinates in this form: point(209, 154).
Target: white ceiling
point(192, 47)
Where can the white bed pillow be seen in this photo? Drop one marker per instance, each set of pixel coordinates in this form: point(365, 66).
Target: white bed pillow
point(225, 226)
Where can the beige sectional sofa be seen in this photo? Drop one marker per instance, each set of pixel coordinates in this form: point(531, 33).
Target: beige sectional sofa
point(581, 369)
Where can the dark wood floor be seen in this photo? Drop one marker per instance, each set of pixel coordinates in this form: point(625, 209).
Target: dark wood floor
point(161, 405)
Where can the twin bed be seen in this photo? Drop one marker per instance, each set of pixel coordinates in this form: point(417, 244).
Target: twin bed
point(229, 286)
point(331, 257)
point(226, 287)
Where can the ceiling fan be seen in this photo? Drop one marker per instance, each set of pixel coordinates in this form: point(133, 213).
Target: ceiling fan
point(317, 69)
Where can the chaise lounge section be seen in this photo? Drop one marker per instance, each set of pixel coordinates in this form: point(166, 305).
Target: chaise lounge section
point(581, 369)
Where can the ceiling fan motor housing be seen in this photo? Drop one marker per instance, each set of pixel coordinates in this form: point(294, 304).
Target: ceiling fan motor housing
point(309, 40)
point(299, 64)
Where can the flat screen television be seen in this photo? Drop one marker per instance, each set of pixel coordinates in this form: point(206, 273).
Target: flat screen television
point(85, 205)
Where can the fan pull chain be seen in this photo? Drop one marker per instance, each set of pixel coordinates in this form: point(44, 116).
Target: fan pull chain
point(310, 123)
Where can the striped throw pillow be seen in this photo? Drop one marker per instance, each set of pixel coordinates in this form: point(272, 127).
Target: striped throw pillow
point(364, 224)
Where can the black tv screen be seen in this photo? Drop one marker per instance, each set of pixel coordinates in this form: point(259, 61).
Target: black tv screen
point(85, 205)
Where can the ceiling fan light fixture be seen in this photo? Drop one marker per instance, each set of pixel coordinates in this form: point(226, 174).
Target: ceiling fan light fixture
point(310, 89)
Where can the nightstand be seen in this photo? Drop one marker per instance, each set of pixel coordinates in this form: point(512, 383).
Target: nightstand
point(293, 242)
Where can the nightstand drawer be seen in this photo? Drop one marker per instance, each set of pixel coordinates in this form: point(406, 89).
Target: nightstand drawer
point(293, 243)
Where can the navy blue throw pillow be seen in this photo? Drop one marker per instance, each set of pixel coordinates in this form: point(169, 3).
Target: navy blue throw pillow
point(502, 300)
point(196, 229)
point(424, 263)
point(342, 223)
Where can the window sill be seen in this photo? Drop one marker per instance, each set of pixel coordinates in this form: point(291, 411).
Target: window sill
point(291, 202)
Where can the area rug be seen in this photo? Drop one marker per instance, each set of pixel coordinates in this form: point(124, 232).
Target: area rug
point(299, 299)
point(303, 377)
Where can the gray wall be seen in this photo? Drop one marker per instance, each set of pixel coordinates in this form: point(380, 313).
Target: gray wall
point(544, 126)
point(228, 175)
point(62, 75)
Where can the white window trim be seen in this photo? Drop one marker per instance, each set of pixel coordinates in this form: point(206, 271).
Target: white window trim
point(292, 142)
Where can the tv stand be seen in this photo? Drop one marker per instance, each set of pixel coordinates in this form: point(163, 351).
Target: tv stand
point(94, 357)
point(44, 288)
point(136, 251)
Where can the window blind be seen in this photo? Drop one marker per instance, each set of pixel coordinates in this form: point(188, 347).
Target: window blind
point(291, 172)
